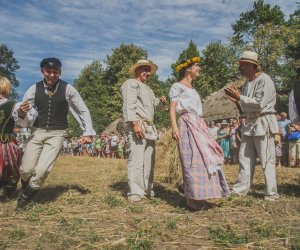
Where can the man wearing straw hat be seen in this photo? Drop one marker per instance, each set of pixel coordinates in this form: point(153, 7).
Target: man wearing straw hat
point(139, 104)
point(257, 101)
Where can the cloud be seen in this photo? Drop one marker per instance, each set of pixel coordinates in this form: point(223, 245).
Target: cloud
point(79, 32)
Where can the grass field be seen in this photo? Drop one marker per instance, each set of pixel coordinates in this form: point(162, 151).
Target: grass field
point(83, 205)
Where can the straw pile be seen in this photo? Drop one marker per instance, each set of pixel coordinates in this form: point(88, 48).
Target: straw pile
point(167, 165)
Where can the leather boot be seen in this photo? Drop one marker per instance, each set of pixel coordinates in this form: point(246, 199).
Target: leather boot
point(24, 184)
point(3, 192)
point(26, 196)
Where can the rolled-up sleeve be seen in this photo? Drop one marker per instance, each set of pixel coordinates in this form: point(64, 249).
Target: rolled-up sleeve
point(263, 94)
point(129, 91)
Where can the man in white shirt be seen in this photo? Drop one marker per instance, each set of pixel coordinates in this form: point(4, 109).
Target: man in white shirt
point(51, 98)
point(257, 101)
point(139, 104)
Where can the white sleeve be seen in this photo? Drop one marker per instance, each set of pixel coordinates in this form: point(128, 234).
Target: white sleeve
point(293, 112)
point(79, 110)
point(175, 92)
point(32, 114)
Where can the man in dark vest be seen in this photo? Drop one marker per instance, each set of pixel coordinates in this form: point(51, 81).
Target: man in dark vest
point(51, 98)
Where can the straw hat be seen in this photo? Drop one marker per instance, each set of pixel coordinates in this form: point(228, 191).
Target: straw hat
point(224, 122)
point(249, 56)
point(143, 63)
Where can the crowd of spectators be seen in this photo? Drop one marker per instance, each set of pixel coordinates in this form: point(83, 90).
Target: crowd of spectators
point(228, 134)
point(104, 145)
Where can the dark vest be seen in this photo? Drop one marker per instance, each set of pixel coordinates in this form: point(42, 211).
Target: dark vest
point(297, 96)
point(7, 123)
point(52, 110)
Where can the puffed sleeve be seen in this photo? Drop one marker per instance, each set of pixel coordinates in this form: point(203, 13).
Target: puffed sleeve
point(175, 92)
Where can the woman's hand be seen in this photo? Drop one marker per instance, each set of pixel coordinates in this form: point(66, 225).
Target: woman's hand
point(175, 134)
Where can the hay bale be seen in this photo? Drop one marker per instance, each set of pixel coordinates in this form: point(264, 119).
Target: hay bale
point(168, 164)
point(217, 106)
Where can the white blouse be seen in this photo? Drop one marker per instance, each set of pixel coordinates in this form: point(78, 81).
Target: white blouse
point(188, 100)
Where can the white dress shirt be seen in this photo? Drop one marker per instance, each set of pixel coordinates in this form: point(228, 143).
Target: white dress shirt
point(76, 105)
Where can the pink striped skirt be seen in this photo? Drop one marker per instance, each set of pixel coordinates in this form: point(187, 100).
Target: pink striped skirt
point(201, 159)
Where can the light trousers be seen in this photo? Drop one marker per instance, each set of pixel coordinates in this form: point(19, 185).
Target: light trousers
point(140, 166)
point(40, 154)
point(264, 148)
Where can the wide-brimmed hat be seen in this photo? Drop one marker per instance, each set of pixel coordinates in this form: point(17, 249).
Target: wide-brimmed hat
point(224, 122)
point(143, 62)
point(249, 56)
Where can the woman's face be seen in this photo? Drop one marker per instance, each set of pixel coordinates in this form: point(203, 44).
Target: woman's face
point(195, 70)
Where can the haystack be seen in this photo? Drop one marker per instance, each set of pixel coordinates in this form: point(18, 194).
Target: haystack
point(216, 107)
point(114, 126)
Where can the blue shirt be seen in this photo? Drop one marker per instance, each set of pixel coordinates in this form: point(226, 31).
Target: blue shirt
point(283, 125)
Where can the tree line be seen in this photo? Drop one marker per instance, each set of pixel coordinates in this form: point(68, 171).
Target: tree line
point(263, 29)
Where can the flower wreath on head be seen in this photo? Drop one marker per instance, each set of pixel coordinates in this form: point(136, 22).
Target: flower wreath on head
point(187, 63)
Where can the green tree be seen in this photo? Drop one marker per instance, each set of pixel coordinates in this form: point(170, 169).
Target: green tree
point(8, 67)
point(250, 21)
point(94, 92)
point(218, 68)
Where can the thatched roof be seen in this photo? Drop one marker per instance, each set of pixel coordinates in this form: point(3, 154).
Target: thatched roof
point(112, 127)
point(217, 106)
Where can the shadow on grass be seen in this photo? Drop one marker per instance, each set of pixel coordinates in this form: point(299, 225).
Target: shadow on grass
point(172, 197)
point(51, 193)
point(286, 189)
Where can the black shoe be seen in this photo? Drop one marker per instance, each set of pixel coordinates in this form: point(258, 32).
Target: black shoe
point(3, 193)
point(26, 197)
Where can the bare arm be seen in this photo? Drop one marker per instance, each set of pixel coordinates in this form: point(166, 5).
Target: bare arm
point(172, 112)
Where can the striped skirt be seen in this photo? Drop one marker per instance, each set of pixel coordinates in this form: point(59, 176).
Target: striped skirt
point(10, 161)
point(201, 159)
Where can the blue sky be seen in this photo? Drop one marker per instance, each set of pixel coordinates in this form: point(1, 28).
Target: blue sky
point(81, 31)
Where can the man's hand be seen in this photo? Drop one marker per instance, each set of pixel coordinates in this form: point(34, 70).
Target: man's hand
point(85, 139)
point(23, 109)
point(138, 130)
point(233, 93)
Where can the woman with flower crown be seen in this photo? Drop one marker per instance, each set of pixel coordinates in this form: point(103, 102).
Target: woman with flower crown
point(201, 156)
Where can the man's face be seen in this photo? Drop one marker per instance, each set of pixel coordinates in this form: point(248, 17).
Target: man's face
point(51, 75)
point(245, 67)
point(143, 73)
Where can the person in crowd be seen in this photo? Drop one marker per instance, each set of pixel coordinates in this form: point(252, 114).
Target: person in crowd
point(234, 143)
point(98, 146)
point(113, 144)
point(120, 148)
point(107, 149)
point(10, 157)
point(51, 98)
point(213, 130)
point(201, 156)
point(278, 143)
point(257, 101)
point(139, 104)
point(224, 140)
point(294, 126)
point(283, 124)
